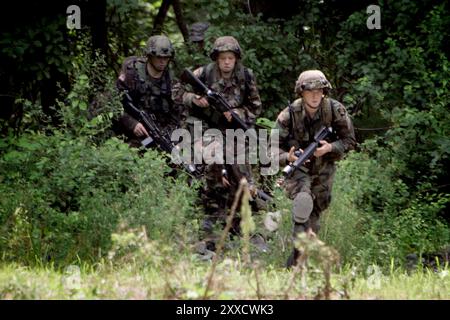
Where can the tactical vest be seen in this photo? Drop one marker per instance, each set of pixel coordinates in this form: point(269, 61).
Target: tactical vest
point(209, 76)
point(299, 136)
point(154, 95)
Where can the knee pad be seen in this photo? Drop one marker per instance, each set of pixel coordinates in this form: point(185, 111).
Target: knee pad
point(302, 207)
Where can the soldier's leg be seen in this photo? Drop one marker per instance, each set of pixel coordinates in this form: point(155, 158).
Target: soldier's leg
point(299, 190)
point(235, 172)
point(214, 198)
point(321, 188)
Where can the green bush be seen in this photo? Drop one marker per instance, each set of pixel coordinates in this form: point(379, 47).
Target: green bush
point(63, 197)
point(372, 218)
point(391, 198)
point(65, 190)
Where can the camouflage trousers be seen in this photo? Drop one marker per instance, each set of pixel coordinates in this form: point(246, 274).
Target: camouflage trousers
point(319, 185)
point(217, 198)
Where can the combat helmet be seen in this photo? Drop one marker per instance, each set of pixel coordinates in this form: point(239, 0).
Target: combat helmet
point(310, 80)
point(223, 44)
point(197, 31)
point(159, 46)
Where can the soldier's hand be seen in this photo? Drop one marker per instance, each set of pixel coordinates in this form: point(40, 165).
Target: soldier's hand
point(291, 156)
point(225, 182)
point(200, 101)
point(323, 149)
point(227, 115)
point(139, 130)
point(253, 190)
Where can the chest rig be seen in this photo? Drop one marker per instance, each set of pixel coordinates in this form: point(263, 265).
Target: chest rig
point(235, 91)
point(301, 128)
point(152, 95)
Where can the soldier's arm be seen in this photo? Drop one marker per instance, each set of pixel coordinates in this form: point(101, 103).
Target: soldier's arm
point(124, 83)
point(282, 127)
point(178, 91)
point(184, 95)
point(343, 126)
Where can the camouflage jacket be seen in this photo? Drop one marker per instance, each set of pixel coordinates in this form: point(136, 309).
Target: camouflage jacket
point(300, 130)
point(148, 94)
point(240, 91)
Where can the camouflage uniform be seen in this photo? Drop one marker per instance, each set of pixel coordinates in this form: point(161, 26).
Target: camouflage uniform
point(242, 94)
point(152, 95)
point(311, 186)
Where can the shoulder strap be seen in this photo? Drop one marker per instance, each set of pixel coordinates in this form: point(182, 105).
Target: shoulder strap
point(247, 80)
point(140, 67)
point(207, 75)
point(293, 108)
point(244, 78)
point(291, 120)
point(202, 76)
point(327, 112)
point(166, 87)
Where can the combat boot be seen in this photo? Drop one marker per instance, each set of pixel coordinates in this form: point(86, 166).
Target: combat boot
point(294, 256)
point(292, 261)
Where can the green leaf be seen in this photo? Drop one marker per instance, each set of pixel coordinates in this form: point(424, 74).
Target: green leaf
point(82, 105)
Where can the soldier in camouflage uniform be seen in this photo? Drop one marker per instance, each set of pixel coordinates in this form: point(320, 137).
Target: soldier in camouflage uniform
point(310, 186)
point(237, 84)
point(149, 83)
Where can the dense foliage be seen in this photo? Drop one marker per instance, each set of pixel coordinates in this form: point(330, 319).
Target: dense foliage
point(65, 190)
point(67, 184)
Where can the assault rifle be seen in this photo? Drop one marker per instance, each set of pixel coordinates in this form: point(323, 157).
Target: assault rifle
point(156, 135)
point(260, 194)
point(215, 99)
point(323, 133)
point(264, 196)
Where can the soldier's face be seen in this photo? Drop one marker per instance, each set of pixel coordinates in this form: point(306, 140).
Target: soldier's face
point(226, 61)
point(159, 63)
point(313, 97)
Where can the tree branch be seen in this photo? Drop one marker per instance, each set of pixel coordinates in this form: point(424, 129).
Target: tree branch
point(160, 17)
point(180, 20)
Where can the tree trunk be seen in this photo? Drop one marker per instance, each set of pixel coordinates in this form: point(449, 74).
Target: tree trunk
point(98, 25)
point(180, 20)
point(160, 17)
